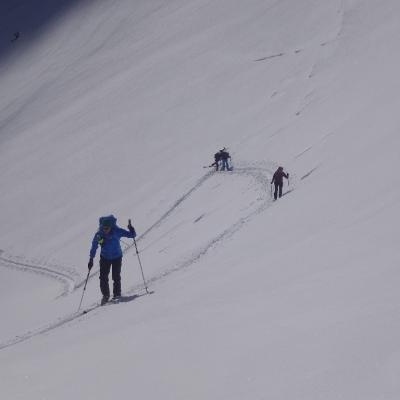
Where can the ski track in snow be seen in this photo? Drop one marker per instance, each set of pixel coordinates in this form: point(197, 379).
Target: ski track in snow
point(156, 224)
point(260, 174)
point(66, 280)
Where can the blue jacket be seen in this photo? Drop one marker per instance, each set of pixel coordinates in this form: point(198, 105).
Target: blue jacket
point(109, 242)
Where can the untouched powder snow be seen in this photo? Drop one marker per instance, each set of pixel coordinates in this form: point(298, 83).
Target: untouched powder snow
point(116, 107)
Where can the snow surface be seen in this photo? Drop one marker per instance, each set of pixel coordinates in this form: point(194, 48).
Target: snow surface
point(115, 107)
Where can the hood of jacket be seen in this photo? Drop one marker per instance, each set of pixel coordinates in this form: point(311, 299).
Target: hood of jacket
point(108, 220)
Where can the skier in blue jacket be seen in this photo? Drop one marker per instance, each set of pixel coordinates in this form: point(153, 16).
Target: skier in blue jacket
point(108, 237)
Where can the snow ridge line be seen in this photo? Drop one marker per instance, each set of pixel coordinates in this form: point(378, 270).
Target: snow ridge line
point(66, 281)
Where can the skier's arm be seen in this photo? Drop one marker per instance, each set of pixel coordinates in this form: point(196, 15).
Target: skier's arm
point(273, 179)
point(95, 244)
point(128, 234)
point(286, 175)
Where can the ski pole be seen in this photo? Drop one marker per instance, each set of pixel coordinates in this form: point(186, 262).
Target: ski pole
point(84, 288)
point(140, 264)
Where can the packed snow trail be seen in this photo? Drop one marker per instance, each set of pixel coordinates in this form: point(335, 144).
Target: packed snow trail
point(67, 280)
point(64, 320)
point(258, 173)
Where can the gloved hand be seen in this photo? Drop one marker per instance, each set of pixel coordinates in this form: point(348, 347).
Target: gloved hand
point(90, 263)
point(131, 228)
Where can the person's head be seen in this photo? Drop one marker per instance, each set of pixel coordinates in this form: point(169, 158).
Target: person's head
point(106, 226)
point(280, 169)
point(107, 223)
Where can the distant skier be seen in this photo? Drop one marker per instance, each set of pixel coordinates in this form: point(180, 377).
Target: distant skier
point(224, 158)
point(16, 36)
point(277, 180)
point(217, 159)
point(108, 237)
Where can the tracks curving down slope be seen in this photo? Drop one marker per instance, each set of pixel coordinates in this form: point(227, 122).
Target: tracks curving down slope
point(67, 278)
point(260, 173)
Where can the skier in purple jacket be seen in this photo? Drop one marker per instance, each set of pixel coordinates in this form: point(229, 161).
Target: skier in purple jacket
point(277, 180)
point(108, 237)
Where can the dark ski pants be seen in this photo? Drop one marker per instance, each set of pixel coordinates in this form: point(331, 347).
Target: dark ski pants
point(278, 189)
point(225, 165)
point(105, 266)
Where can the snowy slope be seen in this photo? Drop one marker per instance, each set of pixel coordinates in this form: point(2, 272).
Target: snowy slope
point(115, 107)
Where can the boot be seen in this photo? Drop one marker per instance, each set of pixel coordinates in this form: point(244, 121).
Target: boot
point(104, 300)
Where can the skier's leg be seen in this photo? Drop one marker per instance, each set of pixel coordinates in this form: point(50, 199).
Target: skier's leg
point(280, 190)
point(276, 191)
point(116, 275)
point(105, 266)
